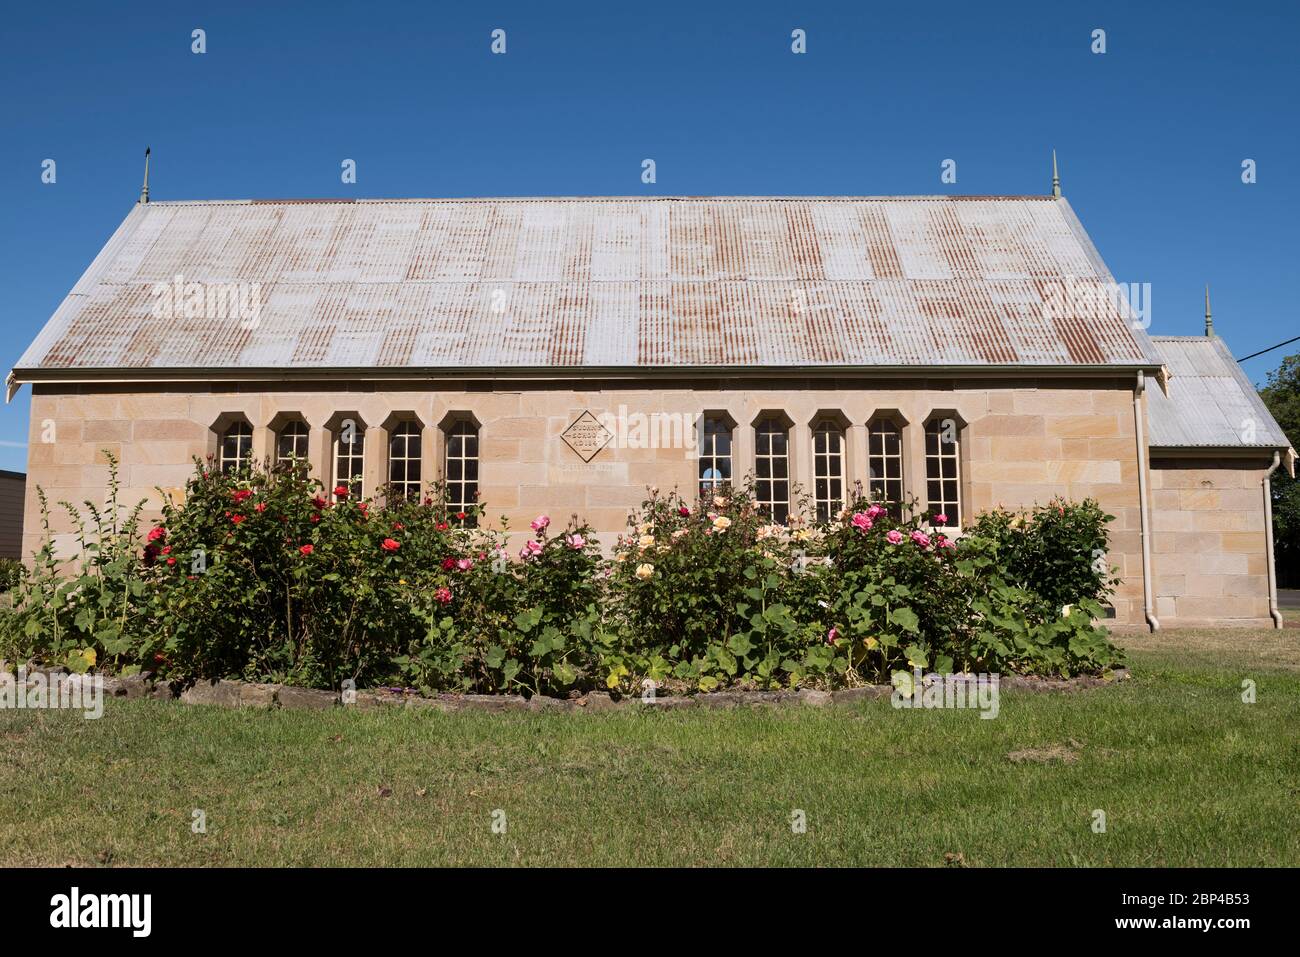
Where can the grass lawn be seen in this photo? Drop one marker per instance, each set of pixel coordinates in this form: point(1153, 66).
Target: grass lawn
point(1186, 773)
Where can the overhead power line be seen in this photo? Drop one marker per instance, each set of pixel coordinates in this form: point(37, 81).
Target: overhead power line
point(1270, 348)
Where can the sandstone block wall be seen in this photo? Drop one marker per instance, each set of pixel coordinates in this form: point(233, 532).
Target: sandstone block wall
point(1022, 441)
point(1209, 545)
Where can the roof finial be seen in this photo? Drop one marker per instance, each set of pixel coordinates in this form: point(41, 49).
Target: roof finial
point(144, 190)
point(1056, 179)
point(1209, 320)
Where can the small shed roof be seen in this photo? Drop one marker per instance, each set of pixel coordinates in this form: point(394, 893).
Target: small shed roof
point(1210, 401)
point(589, 283)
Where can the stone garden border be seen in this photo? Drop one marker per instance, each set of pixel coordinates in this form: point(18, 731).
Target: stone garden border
point(246, 694)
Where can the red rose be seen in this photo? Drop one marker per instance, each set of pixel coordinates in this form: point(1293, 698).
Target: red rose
point(171, 561)
point(442, 526)
point(260, 507)
point(391, 545)
point(320, 502)
point(684, 512)
point(236, 519)
point(306, 549)
point(461, 516)
point(398, 526)
point(167, 550)
point(443, 595)
point(241, 494)
point(340, 491)
point(315, 517)
point(157, 533)
point(448, 564)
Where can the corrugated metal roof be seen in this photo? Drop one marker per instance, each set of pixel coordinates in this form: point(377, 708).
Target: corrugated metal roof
point(567, 283)
point(1211, 402)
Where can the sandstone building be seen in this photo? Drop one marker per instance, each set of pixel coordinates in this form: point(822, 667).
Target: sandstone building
point(561, 355)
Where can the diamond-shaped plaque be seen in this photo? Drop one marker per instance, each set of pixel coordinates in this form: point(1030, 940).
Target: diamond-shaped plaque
point(586, 436)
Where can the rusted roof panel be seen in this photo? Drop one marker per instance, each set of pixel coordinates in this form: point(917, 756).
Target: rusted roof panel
point(1211, 403)
point(614, 283)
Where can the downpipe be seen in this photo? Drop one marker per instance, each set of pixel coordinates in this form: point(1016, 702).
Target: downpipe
point(1268, 533)
point(1148, 602)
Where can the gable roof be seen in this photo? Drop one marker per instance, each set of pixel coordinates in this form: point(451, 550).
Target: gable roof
point(1210, 401)
point(571, 284)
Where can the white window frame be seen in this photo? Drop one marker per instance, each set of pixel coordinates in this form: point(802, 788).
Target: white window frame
point(775, 506)
point(353, 456)
point(828, 467)
point(934, 468)
point(710, 469)
point(298, 434)
point(455, 442)
point(878, 463)
point(242, 434)
point(407, 434)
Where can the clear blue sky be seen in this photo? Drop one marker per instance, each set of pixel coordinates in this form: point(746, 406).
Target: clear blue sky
point(1151, 134)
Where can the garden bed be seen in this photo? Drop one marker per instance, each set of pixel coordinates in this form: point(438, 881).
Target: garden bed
point(247, 694)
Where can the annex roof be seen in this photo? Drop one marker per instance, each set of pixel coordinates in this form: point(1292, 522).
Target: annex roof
point(1210, 403)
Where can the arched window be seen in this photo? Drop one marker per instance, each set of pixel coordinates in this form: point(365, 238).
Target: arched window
point(460, 469)
point(715, 454)
point(291, 443)
point(943, 469)
point(404, 460)
point(772, 469)
point(349, 456)
point(885, 464)
point(236, 447)
point(828, 469)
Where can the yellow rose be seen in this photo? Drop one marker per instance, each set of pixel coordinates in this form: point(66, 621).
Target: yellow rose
point(644, 571)
point(721, 523)
point(647, 541)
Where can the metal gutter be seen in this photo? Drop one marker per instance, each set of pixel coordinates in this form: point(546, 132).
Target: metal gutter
point(568, 373)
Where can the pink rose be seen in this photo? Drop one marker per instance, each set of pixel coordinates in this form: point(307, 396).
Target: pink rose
point(941, 519)
point(832, 636)
point(540, 523)
point(862, 521)
point(576, 541)
point(684, 512)
point(531, 548)
point(894, 536)
point(921, 538)
point(465, 564)
point(875, 512)
point(443, 595)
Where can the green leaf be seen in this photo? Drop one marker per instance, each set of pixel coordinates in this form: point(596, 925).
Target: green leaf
point(906, 619)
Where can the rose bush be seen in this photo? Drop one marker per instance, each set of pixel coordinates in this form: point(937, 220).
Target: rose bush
point(265, 575)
